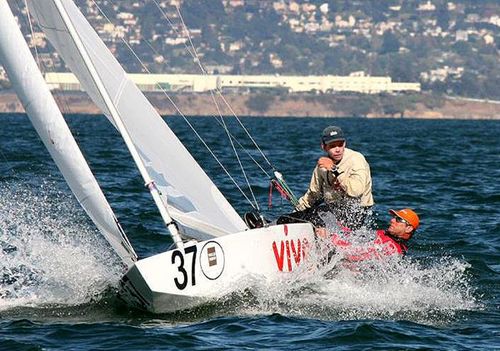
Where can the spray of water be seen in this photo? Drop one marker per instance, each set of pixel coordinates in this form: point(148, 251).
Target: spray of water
point(431, 290)
point(50, 254)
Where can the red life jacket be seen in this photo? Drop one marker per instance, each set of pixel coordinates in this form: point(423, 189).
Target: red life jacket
point(383, 245)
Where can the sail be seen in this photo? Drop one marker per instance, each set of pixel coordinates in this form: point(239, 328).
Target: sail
point(49, 123)
point(193, 200)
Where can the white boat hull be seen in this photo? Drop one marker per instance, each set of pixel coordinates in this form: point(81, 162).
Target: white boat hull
point(203, 271)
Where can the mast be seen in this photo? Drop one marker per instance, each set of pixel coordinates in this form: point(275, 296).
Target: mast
point(50, 125)
point(149, 182)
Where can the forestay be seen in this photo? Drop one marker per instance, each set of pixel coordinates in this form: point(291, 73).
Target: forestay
point(55, 134)
point(193, 200)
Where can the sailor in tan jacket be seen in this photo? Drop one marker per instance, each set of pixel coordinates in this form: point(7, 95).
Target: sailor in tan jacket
point(341, 184)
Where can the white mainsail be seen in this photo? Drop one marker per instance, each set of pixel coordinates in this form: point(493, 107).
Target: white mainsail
point(193, 200)
point(49, 123)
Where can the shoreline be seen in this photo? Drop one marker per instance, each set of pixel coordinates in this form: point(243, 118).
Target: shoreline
point(277, 106)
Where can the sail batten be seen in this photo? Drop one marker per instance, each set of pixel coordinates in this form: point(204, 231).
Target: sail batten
point(202, 211)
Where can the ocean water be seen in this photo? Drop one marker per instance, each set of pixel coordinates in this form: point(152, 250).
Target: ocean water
point(58, 278)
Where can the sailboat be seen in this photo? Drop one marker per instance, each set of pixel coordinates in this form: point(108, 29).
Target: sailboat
point(214, 251)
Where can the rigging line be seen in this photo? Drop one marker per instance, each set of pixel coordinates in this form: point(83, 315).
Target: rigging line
point(151, 46)
point(192, 128)
point(195, 55)
point(236, 153)
point(219, 91)
point(28, 15)
point(175, 30)
point(245, 129)
point(198, 61)
point(180, 112)
point(61, 100)
point(246, 151)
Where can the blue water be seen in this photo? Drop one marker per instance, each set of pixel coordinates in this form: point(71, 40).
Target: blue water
point(58, 279)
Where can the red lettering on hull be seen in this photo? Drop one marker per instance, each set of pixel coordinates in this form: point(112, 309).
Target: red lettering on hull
point(280, 256)
point(295, 250)
point(296, 253)
point(288, 260)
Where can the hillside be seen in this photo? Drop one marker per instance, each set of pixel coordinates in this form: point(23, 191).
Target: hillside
point(284, 106)
point(449, 47)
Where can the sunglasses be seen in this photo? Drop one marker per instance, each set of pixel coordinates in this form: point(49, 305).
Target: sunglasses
point(401, 220)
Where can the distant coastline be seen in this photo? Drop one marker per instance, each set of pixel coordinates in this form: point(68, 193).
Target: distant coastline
point(279, 106)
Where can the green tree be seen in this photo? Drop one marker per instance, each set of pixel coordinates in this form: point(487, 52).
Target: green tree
point(491, 87)
point(362, 106)
point(409, 6)
point(196, 12)
point(403, 68)
point(433, 101)
point(146, 16)
point(5, 84)
point(468, 85)
point(259, 102)
point(443, 16)
point(437, 87)
point(390, 43)
point(360, 42)
point(356, 106)
point(333, 62)
point(462, 48)
point(392, 105)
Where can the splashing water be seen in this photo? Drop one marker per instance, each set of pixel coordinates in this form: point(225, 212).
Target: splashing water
point(394, 288)
point(50, 254)
point(431, 290)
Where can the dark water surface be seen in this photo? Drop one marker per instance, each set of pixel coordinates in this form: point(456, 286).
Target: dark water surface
point(58, 277)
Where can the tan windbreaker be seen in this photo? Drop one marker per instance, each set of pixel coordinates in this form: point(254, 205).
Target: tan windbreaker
point(355, 180)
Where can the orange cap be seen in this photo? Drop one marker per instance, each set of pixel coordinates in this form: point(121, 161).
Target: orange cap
point(408, 215)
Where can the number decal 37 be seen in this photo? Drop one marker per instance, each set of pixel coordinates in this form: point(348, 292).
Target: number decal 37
point(179, 259)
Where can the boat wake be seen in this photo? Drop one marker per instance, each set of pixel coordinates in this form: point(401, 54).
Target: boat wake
point(51, 256)
point(431, 290)
point(49, 252)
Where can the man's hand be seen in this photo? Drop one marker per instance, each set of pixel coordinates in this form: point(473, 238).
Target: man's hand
point(321, 232)
point(326, 163)
point(337, 186)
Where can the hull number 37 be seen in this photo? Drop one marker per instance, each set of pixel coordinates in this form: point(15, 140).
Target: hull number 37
point(179, 259)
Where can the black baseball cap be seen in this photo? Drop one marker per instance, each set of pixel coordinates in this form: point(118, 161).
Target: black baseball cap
point(331, 134)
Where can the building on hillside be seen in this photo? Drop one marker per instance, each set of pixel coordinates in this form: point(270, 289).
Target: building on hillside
point(205, 83)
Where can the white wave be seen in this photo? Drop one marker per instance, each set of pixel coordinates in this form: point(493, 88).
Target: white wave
point(423, 290)
point(50, 252)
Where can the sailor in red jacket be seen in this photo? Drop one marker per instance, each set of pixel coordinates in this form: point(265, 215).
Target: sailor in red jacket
point(392, 241)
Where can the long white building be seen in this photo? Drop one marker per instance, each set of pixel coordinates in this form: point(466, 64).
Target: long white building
point(204, 83)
